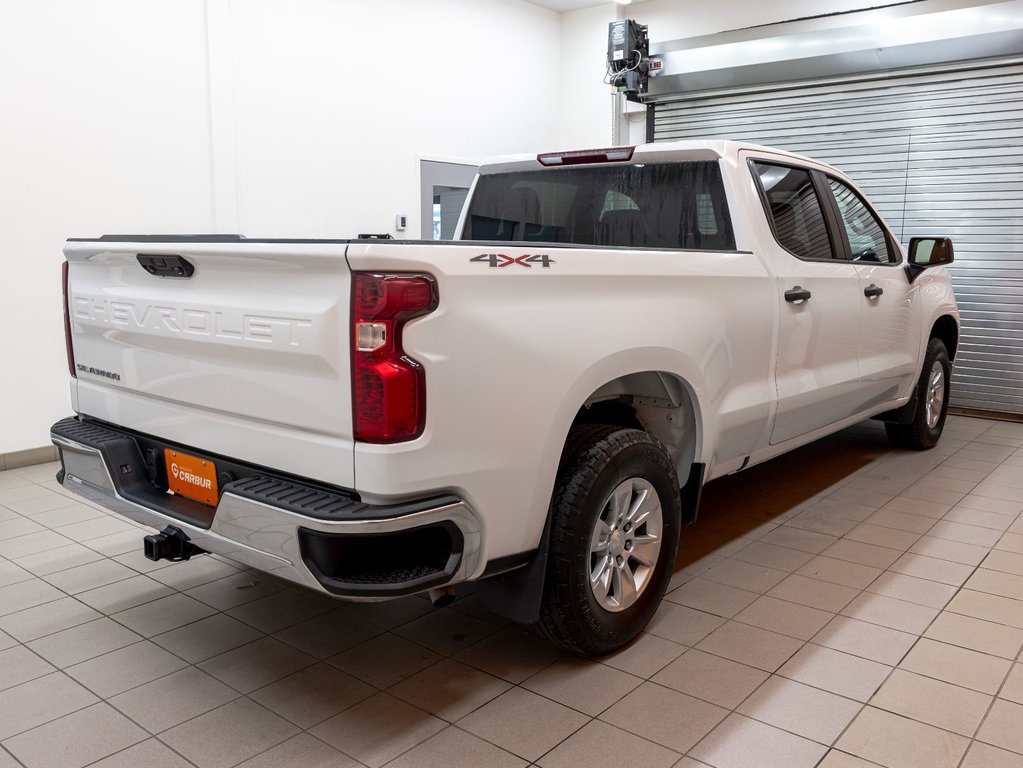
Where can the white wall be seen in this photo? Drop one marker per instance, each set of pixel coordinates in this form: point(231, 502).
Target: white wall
point(104, 127)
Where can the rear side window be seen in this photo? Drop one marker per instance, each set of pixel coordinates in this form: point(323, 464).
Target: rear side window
point(643, 205)
point(794, 210)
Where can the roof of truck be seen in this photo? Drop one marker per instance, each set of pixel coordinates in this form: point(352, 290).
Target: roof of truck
point(662, 151)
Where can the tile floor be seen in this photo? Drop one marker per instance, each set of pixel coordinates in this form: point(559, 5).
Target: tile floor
point(845, 606)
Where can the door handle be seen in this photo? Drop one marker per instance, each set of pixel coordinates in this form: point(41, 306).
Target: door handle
point(873, 291)
point(797, 295)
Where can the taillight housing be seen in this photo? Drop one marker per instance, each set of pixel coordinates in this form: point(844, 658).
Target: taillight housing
point(67, 323)
point(388, 386)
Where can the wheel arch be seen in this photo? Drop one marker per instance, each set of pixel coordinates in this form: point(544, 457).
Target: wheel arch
point(946, 329)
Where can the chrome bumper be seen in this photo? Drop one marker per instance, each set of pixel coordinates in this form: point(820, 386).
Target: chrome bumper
point(257, 534)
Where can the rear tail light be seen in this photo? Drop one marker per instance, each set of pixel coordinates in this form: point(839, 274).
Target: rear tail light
point(388, 387)
point(67, 323)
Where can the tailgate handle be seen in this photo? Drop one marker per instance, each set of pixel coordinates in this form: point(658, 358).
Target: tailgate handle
point(166, 265)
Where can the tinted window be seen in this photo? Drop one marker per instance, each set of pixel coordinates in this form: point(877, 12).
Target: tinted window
point(651, 205)
point(867, 240)
point(795, 211)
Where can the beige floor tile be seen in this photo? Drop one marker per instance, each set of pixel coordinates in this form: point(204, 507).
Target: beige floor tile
point(1006, 562)
point(932, 569)
point(985, 756)
point(523, 723)
point(976, 634)
point(1013, 688)
point(89, 576)
point(42, 620)
point(889, 612)
point(599, 745)
point(994, 608)
point(392, 613)
point(72, 512)
point(384, 660)
point(868, 641)
point(919, 507)
point(960, 666)
point(903, 521)
point(752, 646)
point(823, 595)
point(207, 638)
point(378, 729)
point(256, 664)
point(96, 528)
point(883, 537)
point(446, 631)
point(150, 754)
point(163, 615)
point(82, 642)
point(123, 669)
point(514, 655)
point(795, 538)
point(711, 678)
point(38, 701)
point(228, 734)
point(864, 554)
point(450, 690)
point(173, 699)
point(123, 595)
point(996, 583)
point(824, 520)
point(995, 521)
point(943, 549)
point(232, 591)
point(837, 672)
point(328, 634)
point(584, 685)
point(1011, 542)
point(666, 717)
point(912, 590)
point(452, 748)
point(302, 751)
point(27, 594)
point(313, 694)
point(194, 573)
point(964, 533)
point(76, 739)
point(745, 576)
point(19, 665)
point(786, 618)
point(897, 742)
point(836, 759)
point(12, 574)
point(280, 609)
point(645, 656)
point(712, 597)
point(839, 572)
point(740, 742)
point(800, 709)
point(931, 701)
point(682, 625)
point(16, 525)
point(772, 556)
point(1001, 727)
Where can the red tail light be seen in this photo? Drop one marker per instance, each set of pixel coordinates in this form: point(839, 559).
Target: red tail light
point(67, 323)
point(388, 387)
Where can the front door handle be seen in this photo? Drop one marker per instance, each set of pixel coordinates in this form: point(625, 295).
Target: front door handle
point(797, 295)
point(873, 291)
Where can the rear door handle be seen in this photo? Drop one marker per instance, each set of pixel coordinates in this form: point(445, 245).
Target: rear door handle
point(873, 291)
point(797, 294)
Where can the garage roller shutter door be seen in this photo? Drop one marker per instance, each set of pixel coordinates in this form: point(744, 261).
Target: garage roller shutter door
point(939, 154)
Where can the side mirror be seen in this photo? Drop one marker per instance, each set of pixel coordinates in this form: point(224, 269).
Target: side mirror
point(927, 252)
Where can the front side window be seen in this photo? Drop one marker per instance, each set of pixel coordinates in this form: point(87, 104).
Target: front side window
point(867, 239)
point(639, 205)
point(795, 210)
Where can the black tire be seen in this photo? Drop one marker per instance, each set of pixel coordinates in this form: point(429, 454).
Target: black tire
point(918, 434)
point(597, 460)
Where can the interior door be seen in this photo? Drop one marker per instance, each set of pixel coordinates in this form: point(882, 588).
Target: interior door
point(444, 187)
point(890, 339)
point(817, 369)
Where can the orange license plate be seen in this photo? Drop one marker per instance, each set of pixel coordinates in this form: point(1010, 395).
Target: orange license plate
point(191, 476)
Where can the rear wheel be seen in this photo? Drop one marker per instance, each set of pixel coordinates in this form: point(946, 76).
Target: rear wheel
point(931, 403)
point(615, 521)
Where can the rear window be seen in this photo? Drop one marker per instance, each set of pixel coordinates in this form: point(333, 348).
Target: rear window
point(652, 205)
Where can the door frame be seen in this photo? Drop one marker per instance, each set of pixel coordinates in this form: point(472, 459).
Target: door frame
point(441, 172)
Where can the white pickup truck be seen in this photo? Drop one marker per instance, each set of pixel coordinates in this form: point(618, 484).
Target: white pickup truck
point(534, 406)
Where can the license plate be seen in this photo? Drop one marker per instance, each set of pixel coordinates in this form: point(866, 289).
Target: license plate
point(191, 476)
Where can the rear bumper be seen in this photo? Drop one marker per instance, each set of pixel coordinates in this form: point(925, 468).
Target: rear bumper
point(333, 543)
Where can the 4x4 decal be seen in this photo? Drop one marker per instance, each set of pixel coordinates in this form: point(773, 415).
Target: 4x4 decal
point(499, 260)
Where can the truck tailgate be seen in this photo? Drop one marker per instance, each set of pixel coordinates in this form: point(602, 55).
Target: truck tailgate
point(246, 358)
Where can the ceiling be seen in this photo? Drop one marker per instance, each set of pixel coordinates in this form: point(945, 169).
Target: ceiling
point(571, 5)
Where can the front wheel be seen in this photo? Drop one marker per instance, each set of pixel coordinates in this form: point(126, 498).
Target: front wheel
point(615, 520)
point(931, 403)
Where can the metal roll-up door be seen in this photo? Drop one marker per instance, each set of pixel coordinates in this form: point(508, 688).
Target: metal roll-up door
point(938, 154)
